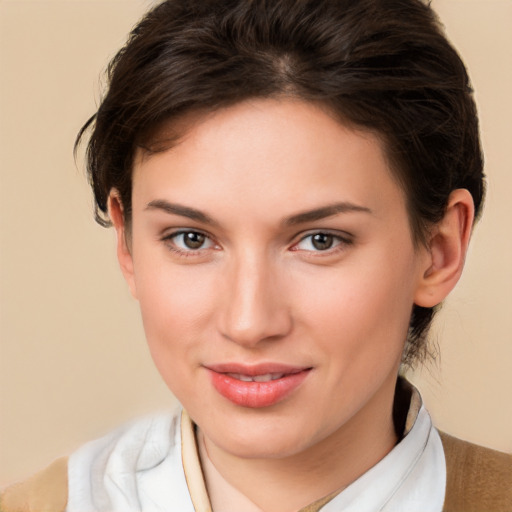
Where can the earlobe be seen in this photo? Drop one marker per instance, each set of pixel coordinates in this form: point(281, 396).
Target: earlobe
point(447, 248)
point(124, 254)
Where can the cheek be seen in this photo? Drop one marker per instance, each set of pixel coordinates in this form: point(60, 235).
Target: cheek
point(359, 324)
point(176, 306)
point(361, 312)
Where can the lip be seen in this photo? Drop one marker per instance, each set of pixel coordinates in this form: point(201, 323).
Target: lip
point(226, 381)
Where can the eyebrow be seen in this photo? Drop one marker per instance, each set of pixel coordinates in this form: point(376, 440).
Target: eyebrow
point(323, 212)
point(299, 218)
point(182, 211)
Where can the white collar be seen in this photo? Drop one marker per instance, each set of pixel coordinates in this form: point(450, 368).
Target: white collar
point(410, 478)
point(153, 465)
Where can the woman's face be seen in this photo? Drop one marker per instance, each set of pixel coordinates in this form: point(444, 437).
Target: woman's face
point(274, 265)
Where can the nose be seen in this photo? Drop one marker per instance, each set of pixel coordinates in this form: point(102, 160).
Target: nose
point(256, 308)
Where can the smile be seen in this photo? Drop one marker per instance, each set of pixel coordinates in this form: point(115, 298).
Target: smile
point(256, 386)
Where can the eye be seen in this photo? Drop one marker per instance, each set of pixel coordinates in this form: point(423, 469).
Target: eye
point(320, 242)
point(189, 241)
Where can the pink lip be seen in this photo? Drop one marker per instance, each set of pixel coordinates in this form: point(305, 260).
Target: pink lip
point(256, 394)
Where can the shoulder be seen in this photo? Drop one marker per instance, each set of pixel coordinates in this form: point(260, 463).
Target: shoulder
point(117, 468)
point(46, 491)
point(478, 479)
point(78, 481)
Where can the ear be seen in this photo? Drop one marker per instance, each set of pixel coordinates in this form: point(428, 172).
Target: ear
point(124, 253)
point(446, 250)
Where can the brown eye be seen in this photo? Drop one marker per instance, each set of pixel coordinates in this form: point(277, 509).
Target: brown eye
point(187, 241)
point(193, 240)
point(322, 241)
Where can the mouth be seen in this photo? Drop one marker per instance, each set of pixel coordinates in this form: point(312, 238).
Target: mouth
point(256, 386)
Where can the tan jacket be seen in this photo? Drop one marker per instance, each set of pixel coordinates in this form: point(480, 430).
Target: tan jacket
point(478, 480)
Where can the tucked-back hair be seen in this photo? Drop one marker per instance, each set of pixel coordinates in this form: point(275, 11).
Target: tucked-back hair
point(380, 65)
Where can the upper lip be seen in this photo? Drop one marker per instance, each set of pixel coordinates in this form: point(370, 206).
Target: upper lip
point(255, 369)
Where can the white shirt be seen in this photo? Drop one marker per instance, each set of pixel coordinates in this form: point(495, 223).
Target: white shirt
point(152, 465)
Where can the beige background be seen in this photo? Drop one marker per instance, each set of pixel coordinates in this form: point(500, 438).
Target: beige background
point(73, 360)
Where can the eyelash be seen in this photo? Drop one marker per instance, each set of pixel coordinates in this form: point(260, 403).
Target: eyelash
point(338, 243)
point(170, 241)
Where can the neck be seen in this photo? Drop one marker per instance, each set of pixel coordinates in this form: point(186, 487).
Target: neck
point(322, 469)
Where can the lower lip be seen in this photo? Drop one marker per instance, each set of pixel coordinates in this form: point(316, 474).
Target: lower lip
point(256, 394)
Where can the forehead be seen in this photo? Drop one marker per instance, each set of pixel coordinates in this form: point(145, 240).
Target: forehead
point(282, 153)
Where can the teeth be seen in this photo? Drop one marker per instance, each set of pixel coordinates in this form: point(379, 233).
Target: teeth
point(267, 377)
point(263, 378)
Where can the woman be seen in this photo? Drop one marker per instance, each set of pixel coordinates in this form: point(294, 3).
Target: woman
point(293, 186)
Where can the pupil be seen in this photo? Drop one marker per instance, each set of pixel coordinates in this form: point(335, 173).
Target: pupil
point(321, 241)
point(194, 240)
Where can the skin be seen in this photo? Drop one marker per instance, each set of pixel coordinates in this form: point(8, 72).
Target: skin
point(258, 290)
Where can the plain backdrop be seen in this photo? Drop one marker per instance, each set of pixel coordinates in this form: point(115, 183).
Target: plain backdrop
point(73, 357)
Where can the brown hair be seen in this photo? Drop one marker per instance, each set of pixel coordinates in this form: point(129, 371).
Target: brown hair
point(383, 65)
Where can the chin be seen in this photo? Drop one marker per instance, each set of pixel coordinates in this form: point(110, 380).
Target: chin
point(279, 447)
point(261, 438)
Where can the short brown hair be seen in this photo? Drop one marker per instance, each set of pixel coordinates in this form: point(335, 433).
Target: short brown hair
point(383, 65)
